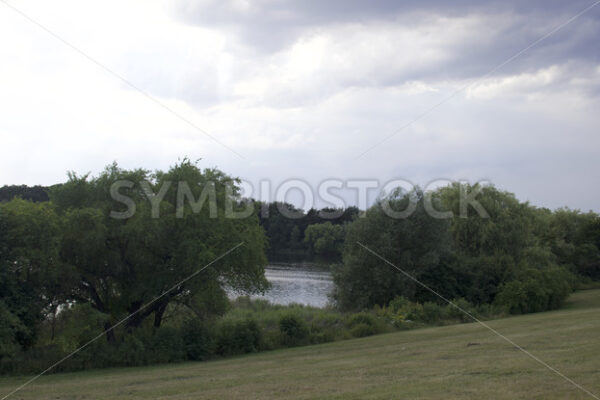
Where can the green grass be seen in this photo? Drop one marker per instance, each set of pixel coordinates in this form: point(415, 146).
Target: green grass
point(463, 361)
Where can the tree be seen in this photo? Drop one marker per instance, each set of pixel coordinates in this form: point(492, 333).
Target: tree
point(505, 251)
point(494, 252)
point(32, 193)
point(324, 240)
point(417, 244)
point(574, 238)
point(125, 261)
point(278, 221)
point(32, 278)
point(285, 226)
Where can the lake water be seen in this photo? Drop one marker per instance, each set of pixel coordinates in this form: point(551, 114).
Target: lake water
point(298, 283)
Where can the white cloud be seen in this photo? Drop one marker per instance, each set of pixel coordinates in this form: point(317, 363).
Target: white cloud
point(305, 110)
point(328, 60)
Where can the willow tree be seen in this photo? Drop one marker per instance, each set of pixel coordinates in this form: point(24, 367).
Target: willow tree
point(399, 229)
point(133, 235)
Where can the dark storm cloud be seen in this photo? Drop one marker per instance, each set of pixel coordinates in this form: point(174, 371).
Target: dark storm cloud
point(288, 14)
point(269, 26)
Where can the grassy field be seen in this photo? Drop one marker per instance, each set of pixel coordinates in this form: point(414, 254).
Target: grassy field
point(454, 362)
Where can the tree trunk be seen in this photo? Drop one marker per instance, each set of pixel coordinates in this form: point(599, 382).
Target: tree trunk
point(53, 323)
point(158, 315)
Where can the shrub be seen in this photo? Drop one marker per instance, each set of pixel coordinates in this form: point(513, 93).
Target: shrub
point(32, 360)
point(432, 313)
point(535, 290)
point(327, 327)
point(457, 313)
point(198, 340)
point(293, 330)
point(361, 330)
point(398, 303)
point(166, 345)
point(9, 330)
point(361, 318)
point(133, 352)
point(239, 337)
point(358, 323)
point(413, 312)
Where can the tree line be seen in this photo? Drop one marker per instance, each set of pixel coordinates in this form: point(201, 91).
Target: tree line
point(68, 269)
point(518, 256)
point(287, 238)
point(314, 235)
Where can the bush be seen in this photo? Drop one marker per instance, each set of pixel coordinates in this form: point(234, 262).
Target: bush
point(133, 352)
point(362, 330)
point(9, 331)
point(457, 313)
point(361, 318)
point(166, 346)
point(239, 337)
point(365, 324)
point(327, 327)
point(293, 330)
point(535, 290)
point(32, 360)
point(198, 340)
point(398, 303)
point(432, 313)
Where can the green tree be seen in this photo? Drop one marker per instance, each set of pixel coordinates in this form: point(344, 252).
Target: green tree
point(33, 280)
point(498, 248)
point(574, 239)
point(124, 261)
point(418, 244)
point(282, 225)
point(501, 247)
point(324, 240)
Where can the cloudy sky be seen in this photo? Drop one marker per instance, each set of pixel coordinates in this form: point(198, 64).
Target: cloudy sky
point(275, 90)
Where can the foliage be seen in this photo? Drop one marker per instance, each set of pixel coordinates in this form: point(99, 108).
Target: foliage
point(574, 238)
point(293, 330)
point(167, 345)
point(69, 270)
point(363, 324)
point(198, 339)
point(418, 244)
point(324, 240)
point(33, 279)
point(501, 248)
point(123, 263)
point(10, 330)
point(73, 327)
point(535, 290)
point(238, 337)
point(31, 193)
point(286, 226)
point(450, 362)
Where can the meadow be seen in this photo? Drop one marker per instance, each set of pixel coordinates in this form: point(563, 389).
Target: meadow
point(463, 361)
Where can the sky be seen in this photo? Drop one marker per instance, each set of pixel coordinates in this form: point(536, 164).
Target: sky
point(506, 92)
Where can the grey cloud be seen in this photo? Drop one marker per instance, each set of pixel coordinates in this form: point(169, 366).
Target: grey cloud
point(270, 26)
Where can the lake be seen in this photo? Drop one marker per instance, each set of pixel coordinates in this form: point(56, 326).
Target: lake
point(298, 283)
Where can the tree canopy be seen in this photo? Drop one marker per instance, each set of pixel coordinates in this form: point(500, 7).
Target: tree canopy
point(117, 248)
point(515, 255)
point(417, 244)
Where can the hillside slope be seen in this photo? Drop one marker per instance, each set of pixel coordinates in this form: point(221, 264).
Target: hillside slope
point(454, 362)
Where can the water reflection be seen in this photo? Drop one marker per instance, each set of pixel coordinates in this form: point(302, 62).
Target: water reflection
point(298, 283)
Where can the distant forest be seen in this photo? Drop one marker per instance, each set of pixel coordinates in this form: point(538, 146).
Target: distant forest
point(287, 237)
point(31, 193)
